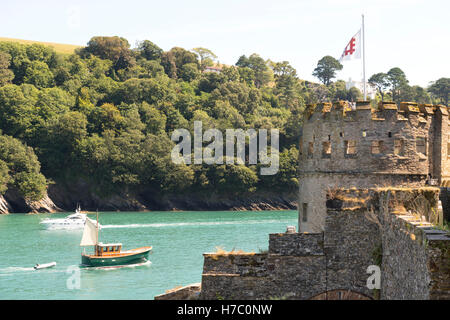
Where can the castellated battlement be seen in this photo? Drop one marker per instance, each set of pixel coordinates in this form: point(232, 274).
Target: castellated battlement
point(409, 139)
point(345, 145)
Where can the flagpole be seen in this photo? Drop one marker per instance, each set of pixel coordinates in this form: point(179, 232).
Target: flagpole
point(364, 59)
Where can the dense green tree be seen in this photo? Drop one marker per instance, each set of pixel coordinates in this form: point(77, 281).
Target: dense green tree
point(233, 179)
point(154, 119)
point(206, 57)
point(189, 72)
point(326, 69)
point(287, 84)
point(286, 179)
point(174, 119)
point(18, 59)
point(354, 94)
point(154, 91)
point(261, 72)
point(380, 81)
point(244, 99)
point(440, 89)
point(150, 69)
point(397, 81)
point(149, 50)
point(116, 49)
point(338, 90)
point(19, 116)
point(6, 75)
point(414, 93)
point(169, 63)
point(106, 117)
point(23, 167)
point(39, 75)
point(5, 178)
point(61, 137)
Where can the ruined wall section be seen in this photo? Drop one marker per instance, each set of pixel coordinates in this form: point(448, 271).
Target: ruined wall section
point(416, 255)
point(413, 254)
point(351, 241)
point(293, 268)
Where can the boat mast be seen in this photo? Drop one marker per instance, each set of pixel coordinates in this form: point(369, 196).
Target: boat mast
point(96, 247)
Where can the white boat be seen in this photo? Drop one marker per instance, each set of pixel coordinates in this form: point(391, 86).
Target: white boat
point(76, 220)
point(44, 266)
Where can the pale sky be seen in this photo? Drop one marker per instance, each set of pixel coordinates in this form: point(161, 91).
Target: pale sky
point(410, 34)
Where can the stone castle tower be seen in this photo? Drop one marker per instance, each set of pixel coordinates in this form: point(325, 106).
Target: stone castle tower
point(345, 147)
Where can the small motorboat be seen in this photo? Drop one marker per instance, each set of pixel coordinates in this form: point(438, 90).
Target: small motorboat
point(76, 220)
point(44, 266)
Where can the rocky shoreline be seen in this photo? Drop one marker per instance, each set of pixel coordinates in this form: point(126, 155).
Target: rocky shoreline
point(64, 198)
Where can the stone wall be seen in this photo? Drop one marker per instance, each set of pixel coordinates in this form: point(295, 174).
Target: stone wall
point(350, 240)
point(415, 259)
point(444, 196)
point(279, 274)
point(363, 227)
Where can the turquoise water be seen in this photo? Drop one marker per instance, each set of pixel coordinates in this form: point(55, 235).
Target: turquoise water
point(178, 240)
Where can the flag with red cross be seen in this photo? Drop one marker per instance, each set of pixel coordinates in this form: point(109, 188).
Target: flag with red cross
point(353, 48)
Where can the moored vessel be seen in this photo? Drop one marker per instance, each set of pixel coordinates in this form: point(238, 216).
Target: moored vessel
point(76, 220)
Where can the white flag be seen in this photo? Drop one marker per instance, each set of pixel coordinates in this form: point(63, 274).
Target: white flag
point(353, 48)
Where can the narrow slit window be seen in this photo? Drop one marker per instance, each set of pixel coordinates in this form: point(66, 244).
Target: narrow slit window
point(305, 212)
point(399, 147)
point(326, 149)
point(310, 149)
point(377, 147)
point(448, 146)
point(421, 145)
point(349, 147)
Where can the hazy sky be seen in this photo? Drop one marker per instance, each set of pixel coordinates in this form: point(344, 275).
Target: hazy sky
point(410, 34)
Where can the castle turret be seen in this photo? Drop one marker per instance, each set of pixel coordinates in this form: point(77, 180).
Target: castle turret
point(345, 146)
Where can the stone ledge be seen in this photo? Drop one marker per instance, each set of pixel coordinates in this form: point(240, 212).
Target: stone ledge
point(220, 275)
point(189, 292)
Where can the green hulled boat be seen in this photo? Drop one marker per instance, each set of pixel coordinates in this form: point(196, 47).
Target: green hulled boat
point(109, 254)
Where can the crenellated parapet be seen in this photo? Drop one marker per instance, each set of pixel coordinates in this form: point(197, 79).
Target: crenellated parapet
point(386, 110)
point(404, 139)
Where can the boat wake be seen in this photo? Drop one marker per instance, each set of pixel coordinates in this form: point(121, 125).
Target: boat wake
point(14, 269)
point(194, 224)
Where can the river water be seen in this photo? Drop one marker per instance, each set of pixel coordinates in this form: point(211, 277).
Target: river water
point(178, 240)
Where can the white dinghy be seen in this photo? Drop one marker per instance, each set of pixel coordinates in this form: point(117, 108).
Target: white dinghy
point(44, 266)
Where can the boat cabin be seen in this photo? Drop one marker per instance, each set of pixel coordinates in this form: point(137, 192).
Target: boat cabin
point(106, 249)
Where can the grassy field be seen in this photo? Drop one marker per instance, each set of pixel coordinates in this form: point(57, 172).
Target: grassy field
point(59, 47)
